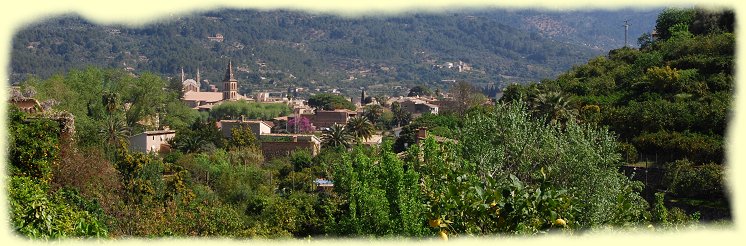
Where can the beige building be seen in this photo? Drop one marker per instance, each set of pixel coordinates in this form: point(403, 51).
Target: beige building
point(152, 141)
point(418, 107)
point(205, 100)
point(257, 127)
point(277, 145)
point(329, 118)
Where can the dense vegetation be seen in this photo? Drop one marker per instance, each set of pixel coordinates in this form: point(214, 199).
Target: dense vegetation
point(545, 159)
point(328, 101)
point(668, 102)
point(250, 110)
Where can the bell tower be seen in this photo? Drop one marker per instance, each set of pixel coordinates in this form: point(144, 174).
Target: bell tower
point(230, 84)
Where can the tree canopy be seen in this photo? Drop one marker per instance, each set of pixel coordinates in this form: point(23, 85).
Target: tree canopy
point(326, 101)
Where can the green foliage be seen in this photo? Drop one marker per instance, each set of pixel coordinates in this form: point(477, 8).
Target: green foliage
point(670, 100)
point(94, 95)
point(419, 91)
point(685, 179)
point(443, 124)
point(670, 146)
point(659, 211)
point(330, 102)
point(34, 146)
point(36, 214)
point(671, 17)
point(201, 136)
point(337, 136)
point(243, 137)
point(360, 128)
point(379, 199)
point(579, 158)
point(301, 159)
point(251, 110)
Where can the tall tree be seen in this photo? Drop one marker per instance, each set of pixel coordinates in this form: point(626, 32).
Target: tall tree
point(373, 113)
point(360, 128)
point(552, 105)
point(328, 101)
point(466, 96)
point(419, 90)
point(336, 136)
point(401, 116)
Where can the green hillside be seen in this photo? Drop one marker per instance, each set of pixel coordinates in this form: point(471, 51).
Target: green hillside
point(669, 103)
point(281, 48)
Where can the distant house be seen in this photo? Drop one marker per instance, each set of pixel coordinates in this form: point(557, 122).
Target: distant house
point(323, 184)
point(418, 106)
point(375, 139)
point(324, 119)
point(258, 127)
point(422, 135)
point(152, 141)
point(278, 145)
point(217, 38)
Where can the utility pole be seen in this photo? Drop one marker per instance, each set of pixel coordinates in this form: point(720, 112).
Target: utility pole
point(626, 27)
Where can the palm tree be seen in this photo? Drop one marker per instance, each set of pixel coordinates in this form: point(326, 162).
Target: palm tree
point(114, 132)
point(401, 116)
point(360, 128)
point(552, 105)
point(373, 112)
point(336, 136)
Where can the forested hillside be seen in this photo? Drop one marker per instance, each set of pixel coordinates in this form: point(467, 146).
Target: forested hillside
point(669, 103)
point(599, 29)
point(293, 48)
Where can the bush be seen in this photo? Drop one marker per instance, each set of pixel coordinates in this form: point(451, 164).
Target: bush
point(34, 146)
point(35, 214)
point(685, 179)
point(578, 158)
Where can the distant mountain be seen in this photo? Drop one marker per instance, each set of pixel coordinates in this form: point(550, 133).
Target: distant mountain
point(282, 48)
point(598, 29)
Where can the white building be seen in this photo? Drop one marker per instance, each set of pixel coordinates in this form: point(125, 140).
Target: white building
point(152, 141)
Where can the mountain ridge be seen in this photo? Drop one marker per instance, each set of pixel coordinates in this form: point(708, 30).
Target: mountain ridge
point(280, 48)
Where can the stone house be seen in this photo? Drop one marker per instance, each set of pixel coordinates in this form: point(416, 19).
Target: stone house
point(258, 127)
point(278, 145)
point(152, 141)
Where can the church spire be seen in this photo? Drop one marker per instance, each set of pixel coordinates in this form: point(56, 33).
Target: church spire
point(229, 72)
point(182, 74)
point(230, 84)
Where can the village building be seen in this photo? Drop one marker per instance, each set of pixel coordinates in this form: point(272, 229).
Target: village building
point(152, 141)
point(417, 106)
point(278, 145)
point(205, 100)
point(258, 127)
point(323, 184)
point(217, 38)
point(326, 119)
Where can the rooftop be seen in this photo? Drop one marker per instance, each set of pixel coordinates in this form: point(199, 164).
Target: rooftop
point(203, 96)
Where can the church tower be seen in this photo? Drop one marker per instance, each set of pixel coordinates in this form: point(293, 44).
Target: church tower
point(230, 84)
